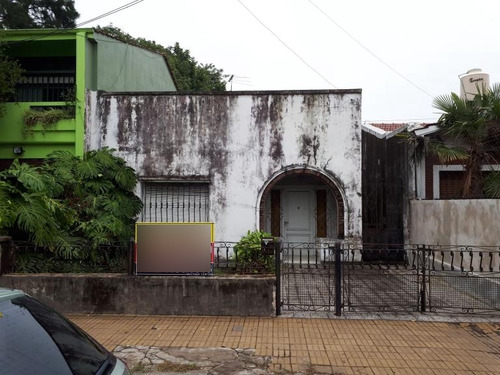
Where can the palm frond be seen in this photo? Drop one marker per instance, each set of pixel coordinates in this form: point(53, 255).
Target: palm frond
point(446, 153)
point(492, 185)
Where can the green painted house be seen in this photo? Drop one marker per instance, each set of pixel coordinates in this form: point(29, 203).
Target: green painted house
point(59, 67)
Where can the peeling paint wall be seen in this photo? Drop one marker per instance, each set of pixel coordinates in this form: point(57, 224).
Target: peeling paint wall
point(237, 142)
point(455, 222)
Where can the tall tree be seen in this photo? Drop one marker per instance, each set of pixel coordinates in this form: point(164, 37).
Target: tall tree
point(471, 133)
point(10, 73)
point(32, 14)
point(189, 74)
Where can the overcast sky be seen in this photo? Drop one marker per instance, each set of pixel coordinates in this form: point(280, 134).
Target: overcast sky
point(400, 53)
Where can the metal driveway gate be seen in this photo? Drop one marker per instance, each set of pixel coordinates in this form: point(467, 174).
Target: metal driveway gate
point(307, 278)
point(388, 279)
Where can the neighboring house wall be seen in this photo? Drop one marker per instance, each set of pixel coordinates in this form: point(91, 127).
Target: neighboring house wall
point(385, 200)
point(66, 63)
point(259, 158)
point(455, 222)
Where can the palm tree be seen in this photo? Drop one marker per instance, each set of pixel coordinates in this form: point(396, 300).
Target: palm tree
point(471, 133)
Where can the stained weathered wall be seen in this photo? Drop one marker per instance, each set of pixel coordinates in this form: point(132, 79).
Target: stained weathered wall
point(455, 222)
point(148, 295)
point(237, 142)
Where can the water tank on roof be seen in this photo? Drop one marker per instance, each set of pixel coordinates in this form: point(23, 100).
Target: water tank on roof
point(473, 82)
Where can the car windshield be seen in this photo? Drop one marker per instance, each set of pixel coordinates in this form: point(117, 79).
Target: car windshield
point(34, 339)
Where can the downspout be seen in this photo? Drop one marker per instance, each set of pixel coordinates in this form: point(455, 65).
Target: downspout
point(81, 38)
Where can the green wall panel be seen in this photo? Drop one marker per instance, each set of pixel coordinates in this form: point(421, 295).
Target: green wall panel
point(38, 144)
point(123, 67)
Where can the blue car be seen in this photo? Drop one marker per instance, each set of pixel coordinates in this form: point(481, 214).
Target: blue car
point(34, 339)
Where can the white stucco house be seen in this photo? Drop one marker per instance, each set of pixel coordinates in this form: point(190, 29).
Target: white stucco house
point(288, 162)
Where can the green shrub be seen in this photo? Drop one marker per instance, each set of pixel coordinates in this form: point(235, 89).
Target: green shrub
point(249, 256)
point(69, 202)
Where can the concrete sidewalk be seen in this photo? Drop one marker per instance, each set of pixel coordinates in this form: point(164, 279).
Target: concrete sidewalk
point(297, 345)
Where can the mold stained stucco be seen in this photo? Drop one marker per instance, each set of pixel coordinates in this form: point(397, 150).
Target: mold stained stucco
point(237, 142)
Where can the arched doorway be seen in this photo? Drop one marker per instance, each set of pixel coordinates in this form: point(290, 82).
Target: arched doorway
point(302, 205)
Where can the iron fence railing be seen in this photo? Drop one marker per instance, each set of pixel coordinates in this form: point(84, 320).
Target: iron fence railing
point(228, 258)
point(375, 277)
point(115, 257)
point(320, 276)
point(54, 87)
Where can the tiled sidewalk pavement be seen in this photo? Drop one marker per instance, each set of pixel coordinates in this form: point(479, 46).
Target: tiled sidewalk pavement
point(317, 345)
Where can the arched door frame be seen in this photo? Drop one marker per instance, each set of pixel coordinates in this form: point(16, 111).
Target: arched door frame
point(328, 180)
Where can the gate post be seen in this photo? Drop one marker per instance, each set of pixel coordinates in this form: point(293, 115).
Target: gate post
point(422, 286)
point(338, 279)
point(7, 254)
point(131, 257)
point(277, 270)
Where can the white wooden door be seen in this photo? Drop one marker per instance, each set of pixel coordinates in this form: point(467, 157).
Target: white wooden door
point(298, 215)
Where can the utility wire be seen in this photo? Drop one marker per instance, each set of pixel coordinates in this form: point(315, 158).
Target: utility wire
point(287, 46)
point(368, 50)
point(116, 10)
point(60, 31)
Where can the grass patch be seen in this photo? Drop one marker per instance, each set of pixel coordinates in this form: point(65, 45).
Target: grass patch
point(139, 367)
point(176, 367)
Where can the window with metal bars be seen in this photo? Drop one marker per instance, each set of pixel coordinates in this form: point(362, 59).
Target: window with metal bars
point(176, 202)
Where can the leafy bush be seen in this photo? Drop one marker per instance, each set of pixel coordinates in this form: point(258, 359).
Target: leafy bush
point(69, 203)
point(249, 256)
point(42, 260)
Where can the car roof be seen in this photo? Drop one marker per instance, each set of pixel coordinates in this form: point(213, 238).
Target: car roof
point(6, 293)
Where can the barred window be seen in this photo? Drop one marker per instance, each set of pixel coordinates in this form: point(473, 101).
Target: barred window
point(175, 202)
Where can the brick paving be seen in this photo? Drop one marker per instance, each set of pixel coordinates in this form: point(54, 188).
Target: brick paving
point(329, 346)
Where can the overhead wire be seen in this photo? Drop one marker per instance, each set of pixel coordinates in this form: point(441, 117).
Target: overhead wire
point(286, 45)
point(368, 50)
point(60, 31)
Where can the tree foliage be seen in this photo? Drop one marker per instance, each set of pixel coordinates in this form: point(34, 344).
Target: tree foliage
point(474, 128)
point(33, 14)
point(10, 73)
point(69, 200)
point(471, 132)
point(189, 74)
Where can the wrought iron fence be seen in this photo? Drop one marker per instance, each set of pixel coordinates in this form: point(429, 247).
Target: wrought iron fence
point(307, 277)
point(319, 276)
point(30, 258)
point(228, 258)
point(374, 278)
